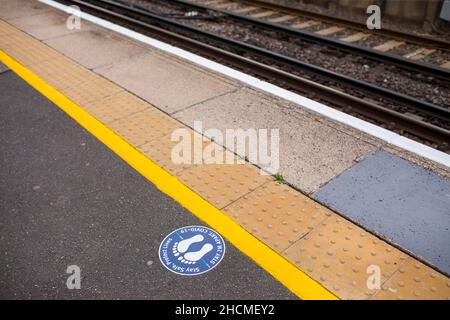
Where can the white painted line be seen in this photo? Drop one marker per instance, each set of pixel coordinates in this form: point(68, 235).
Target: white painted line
point(369, 128)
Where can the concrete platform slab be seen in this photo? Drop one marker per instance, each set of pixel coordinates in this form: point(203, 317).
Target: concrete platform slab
point(440, 169)
point(404, 203)
point(166, 83)
point(95, 48)
point(311, 151)
point(47, 25)
point(11, 9)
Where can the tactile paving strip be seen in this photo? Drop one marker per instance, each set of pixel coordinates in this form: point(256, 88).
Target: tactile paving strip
point(414, 280)
point(63, 73)
point(27, 50)
point(144, 126)
point(116, 107)
point(338, 253)
point(277, 214)
point(90, 91)
point(333, 251)
point(160, 150)
point(223, 184)
point(6, 29)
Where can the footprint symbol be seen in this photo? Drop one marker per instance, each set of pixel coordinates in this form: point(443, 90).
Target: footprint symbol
point(183, 245)
point(193, 257)
point(180, 250)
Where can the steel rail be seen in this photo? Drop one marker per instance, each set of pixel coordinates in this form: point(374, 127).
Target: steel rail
point(395, 34)
point(368, 88)
point(385, 57)
point(371, 110)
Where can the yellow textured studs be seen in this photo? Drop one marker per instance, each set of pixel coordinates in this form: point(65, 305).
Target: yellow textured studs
point(414, 280)
point(223, 184)
point(338, 254)
point(144, 126)
point(277, 214)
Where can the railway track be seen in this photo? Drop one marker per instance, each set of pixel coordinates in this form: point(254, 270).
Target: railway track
point(428, 41)
point(392, 44)
point(373, 55)
point(256, 61)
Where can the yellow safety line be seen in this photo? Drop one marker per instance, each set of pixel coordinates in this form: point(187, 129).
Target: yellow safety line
point(281, 269)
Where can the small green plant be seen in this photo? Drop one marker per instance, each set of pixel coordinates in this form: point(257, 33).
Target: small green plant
point(279, 178)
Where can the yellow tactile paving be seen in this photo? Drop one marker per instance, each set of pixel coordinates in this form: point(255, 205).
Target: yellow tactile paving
point(160, 150)
point(330, 249)
point(63, 73)
point(223, 184)
point(90, 91)
point(115, 107)
point(6, 29)
point(28, 50)
point(337, 253)
point(277, 214)
point(144, 126)
point(414, 280)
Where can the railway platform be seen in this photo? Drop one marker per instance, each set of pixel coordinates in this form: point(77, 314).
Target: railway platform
point(56, 213)
point(336, 209)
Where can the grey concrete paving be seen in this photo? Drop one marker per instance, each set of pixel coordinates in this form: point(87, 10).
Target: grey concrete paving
point(11, 9)
point(401, 201)
point(47, 25)
point(438, 168)
point(96, 48)
point(66, 199)
point(166, 83)
point(312, 151)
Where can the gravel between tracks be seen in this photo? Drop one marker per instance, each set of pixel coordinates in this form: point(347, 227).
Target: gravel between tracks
point(423, 87)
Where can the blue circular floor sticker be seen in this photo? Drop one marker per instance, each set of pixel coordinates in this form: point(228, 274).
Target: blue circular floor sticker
point(192, 250)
